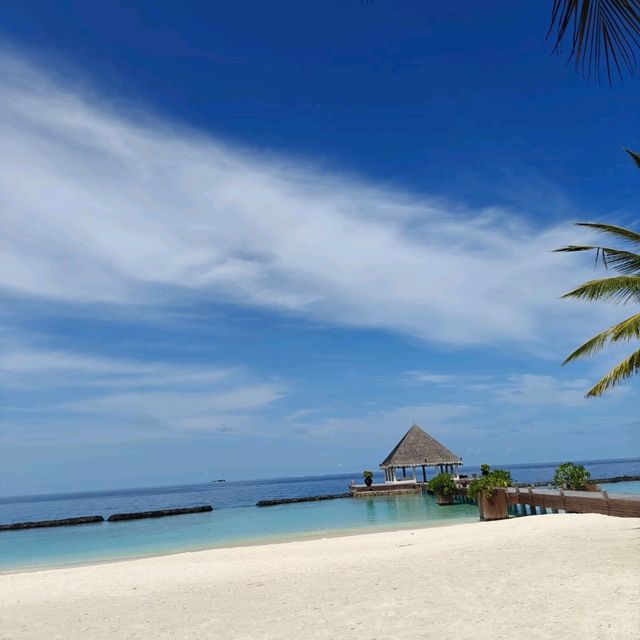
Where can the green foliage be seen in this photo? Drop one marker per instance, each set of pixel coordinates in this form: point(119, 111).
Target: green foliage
point(571, 476)
point(485, 485)
point(623, 289)
point(484, 469)
point(367, 474)
point(598, 33)
point(634, 156)
point(443, 483)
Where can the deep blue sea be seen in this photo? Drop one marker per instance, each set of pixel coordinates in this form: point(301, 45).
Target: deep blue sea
point(235, 519)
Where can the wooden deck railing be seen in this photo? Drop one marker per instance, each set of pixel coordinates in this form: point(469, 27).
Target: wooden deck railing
point(625, 505)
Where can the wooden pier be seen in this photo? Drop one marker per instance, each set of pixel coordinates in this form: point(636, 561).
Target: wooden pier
point(534, 501)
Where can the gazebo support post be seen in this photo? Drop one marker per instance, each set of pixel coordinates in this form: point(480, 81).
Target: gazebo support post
point(424, 474)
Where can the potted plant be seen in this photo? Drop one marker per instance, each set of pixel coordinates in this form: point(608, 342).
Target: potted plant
point(485, 469)
point(492, 503)
point(368, 478)
point(572, 476)
point(444, 488)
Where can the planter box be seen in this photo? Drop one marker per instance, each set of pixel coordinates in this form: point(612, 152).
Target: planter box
point(494, 508)
point(443, 500)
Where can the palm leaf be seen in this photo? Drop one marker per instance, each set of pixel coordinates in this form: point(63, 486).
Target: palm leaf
point(619, 289)
point(599, 31)
point(622, 261)
point(628, 367)
point(623, 331)
point(628, 329)
point(618, 232)
point(589, 347)
point(634, 156)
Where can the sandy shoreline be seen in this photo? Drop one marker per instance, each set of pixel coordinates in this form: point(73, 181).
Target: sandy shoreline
point(540, 577)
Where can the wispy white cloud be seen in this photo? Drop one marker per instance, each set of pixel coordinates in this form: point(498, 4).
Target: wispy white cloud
point(546, 390)
point(30, 367)
point(386, 423)
point(57, 396)
point(99, 205)
point(430, 377)
point(529, 389)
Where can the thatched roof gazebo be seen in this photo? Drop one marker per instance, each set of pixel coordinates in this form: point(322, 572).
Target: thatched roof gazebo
point(418, 449)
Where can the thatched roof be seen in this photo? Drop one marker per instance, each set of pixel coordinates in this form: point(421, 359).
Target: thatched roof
point(417, 447)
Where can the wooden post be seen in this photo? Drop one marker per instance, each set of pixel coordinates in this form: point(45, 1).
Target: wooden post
point(404, 472)
point(605, 495)
point(424, 474)
point(532, 504)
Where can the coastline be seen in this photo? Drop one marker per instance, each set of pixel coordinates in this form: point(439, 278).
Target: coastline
point(552, 576)
point(275, 539)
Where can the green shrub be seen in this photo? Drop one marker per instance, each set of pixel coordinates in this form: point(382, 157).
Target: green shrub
point(443, 483)
point(367, 474)
point(485, 485)
point(571, 476)
point(484, 469)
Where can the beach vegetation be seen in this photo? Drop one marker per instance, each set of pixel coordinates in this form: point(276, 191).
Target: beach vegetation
point(622, 288)
point(485, 469)
point(600, 33)
point(443, 483)
point(572, 476)
point(487, 484)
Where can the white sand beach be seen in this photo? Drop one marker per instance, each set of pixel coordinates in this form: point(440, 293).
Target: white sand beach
point(553, 576)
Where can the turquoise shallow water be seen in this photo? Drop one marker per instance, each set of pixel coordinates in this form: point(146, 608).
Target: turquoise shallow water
point(621, 487)
point(225, 527)
point(235, 519)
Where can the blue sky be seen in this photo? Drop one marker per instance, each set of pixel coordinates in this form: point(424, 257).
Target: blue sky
point(260, 239)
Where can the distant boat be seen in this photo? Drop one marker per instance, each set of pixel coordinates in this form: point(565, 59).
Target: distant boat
point(214, 481)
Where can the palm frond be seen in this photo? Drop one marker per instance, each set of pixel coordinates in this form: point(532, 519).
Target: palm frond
point(599, 31)
point(634, 156)
point(618, 232)
point(589, 347)
point(628, 329)
point(628, 367)
point(620, 260)
point(619, 289)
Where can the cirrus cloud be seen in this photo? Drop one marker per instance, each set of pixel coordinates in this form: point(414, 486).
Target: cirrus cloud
point(104, 205)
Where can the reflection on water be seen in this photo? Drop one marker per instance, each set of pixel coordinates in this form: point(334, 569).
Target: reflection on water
point(371, 510)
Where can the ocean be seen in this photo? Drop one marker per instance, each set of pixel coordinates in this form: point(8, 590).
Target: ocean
point(235, 519)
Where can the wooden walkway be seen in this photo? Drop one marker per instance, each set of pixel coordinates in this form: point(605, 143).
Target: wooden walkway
point(533, 501)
